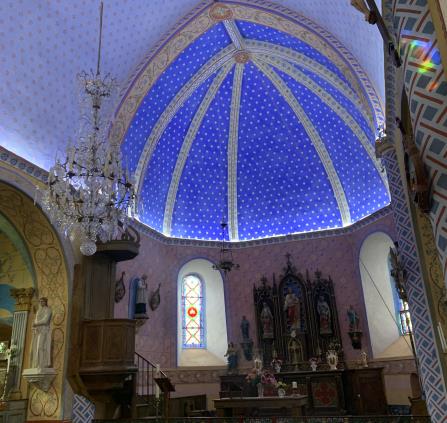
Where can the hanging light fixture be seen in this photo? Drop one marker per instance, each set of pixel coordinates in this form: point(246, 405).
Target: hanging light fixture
point(226, 263)
point(88, 194)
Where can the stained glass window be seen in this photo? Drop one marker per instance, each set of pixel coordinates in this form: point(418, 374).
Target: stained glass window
point(193, 330)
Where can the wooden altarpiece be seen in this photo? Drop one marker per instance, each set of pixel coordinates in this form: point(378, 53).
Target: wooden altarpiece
point(297, 319)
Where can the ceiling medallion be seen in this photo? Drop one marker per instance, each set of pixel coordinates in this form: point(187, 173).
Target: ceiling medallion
point(220, 12)
point(242, 56)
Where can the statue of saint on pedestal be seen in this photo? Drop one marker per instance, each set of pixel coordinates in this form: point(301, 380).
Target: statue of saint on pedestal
point(245, 328)
point(41, 344)
point(354, 319)
point(324, 313)
point(267, 322)
point(292, 307)
point(295, 348)
point(247, 343)
point(232, 358)
point(141, 298)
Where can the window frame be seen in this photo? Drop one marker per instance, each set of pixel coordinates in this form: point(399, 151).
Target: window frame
point(202, 313)
point(401, 308)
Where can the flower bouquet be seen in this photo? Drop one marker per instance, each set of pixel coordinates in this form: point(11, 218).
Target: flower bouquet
point(282, 388)
point(264, 380)
point(281, 385)
point(268, 378)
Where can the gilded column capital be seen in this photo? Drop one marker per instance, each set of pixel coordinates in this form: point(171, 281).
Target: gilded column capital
point(23, 297)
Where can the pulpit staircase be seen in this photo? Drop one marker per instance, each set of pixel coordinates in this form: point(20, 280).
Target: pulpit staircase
point(146, 403)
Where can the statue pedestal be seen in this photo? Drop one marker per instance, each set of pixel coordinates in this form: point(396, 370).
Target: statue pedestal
point(356, 339)
point(41, 378)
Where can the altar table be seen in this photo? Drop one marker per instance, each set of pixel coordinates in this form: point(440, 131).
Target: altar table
point(261, 406)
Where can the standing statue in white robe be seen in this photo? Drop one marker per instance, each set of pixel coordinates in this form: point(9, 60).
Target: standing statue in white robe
point(141, 299)
point(41, 345)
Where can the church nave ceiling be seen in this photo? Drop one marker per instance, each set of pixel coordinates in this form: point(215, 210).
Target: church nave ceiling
point(256, 118)
point(245, 110)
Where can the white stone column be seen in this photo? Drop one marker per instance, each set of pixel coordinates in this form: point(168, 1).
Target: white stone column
point(19, 323)
point(23, 299)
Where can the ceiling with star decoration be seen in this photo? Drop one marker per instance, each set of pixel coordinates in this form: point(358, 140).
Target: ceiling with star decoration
point(254, 116)
point(261, 112)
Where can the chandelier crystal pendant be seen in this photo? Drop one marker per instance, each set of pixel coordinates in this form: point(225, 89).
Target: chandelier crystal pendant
point(226, 262)
point(88, 194)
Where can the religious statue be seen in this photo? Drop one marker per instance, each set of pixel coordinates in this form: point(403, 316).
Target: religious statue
point(295, 351)
point(398, 272)
point(354, 330)
point(247, 343)
point(141, 298)
point(276, 362)
point(324, 313)
point(41, 343)
point(267, 322)
point(245, 328)
point(354, 319)
point(363, 361)
point(232, 358)
point(293, 309)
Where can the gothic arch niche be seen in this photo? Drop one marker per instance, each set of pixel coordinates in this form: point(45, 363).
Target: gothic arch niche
point(51, 281)
point(214, 320)
point(379, 297)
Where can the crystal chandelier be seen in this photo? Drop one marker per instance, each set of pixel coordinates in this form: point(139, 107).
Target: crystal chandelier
point(88, 194)
point(226, 263)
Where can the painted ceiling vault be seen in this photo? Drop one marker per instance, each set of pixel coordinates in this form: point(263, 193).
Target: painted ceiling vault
point(255, 117)
point(246, 110)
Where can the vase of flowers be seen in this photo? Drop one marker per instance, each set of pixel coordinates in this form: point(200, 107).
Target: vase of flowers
point(262, 379)
point(332, 359)
point(313, 363)
point(282, 387)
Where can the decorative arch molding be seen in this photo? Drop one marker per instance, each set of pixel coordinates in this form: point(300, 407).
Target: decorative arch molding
point(260, 12)
point(51, 281)
point(12, 174)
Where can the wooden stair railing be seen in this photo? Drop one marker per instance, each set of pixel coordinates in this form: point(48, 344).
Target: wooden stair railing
point(146, 401)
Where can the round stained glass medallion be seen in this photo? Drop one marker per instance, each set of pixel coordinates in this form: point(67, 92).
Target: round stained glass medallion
point(192, 312)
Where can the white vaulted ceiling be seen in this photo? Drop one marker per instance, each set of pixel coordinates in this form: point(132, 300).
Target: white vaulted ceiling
point(45, 43)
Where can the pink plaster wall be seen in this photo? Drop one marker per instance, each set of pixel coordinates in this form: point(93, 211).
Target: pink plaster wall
point(336, 256)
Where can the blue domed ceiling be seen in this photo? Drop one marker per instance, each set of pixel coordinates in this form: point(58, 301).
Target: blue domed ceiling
point(256, 116)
